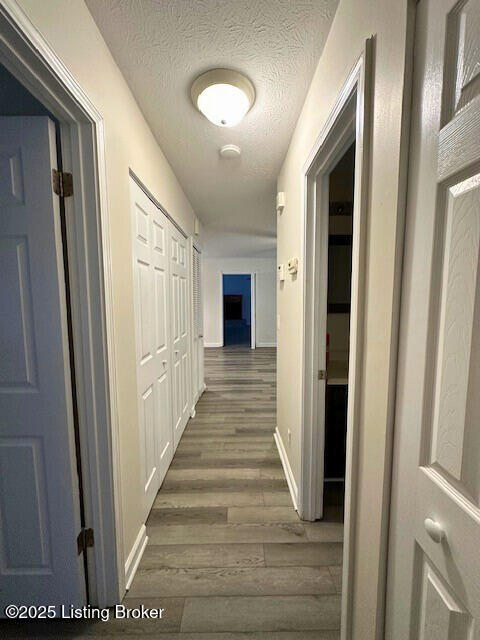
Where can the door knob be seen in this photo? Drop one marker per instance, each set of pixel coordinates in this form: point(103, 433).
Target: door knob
point(434, 530)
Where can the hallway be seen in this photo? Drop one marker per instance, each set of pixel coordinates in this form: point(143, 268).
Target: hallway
point(226, 550)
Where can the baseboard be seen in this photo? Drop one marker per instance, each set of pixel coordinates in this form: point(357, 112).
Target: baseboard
point(292, 485)
point(210, 345)
point(266, 344)
point(135, 556)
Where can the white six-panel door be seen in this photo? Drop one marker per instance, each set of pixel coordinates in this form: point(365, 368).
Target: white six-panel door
point(180, 323)
point(151, 237)
point(434, 559)
point(39, 500)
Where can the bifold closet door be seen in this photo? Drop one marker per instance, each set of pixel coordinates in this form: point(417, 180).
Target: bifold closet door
point(153, 341)
point(180, 324)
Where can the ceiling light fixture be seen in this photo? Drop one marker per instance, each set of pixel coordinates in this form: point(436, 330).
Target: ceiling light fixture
point(223, 96)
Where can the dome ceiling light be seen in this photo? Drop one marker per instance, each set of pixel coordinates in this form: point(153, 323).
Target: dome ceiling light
point(223, 96)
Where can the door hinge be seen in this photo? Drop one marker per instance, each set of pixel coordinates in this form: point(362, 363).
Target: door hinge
point(322, 374)
point(62, 183)
point(85, 540)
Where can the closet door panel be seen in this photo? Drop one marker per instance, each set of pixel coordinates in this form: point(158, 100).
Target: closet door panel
point(152, 342)
point(180, 314)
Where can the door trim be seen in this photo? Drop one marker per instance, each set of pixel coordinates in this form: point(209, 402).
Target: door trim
point(253, 304)
point(150, 195)
point(194, 245)
point(27, 55)
point(348, 121)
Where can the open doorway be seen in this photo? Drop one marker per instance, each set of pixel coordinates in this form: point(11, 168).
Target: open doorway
point(335, 184)
point(38, 367)
point(50, 202)
point(237, 310)
point(340, 228)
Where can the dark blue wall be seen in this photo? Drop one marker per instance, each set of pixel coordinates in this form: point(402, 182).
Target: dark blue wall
point(239, 285)
point(15, 100)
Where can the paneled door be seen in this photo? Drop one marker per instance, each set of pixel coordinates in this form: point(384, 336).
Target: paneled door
point(180, 323)
point(39, 494)
point(434, 561)
point(153, 341)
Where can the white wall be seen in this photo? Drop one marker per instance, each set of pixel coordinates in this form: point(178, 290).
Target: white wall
point(265, 317)
point(354, 22)
point(70, 30)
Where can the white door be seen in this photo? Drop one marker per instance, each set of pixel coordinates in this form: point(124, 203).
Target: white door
point(434, 581)
point(180, 309)
point(39, 499)
point(153, 343)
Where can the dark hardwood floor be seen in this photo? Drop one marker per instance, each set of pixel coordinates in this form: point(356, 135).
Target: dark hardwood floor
point(227, 556)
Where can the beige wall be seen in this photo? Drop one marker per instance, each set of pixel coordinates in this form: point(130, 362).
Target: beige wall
point(354, 21)
point(70, 30)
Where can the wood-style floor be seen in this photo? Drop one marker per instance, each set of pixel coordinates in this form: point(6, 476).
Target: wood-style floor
point(227, 552)
point(227, 555)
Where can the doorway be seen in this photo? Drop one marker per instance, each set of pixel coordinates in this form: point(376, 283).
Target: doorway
point(335, 195)
point(237, 297)
point(340, 230)
point(47, 560)
point(37, 371)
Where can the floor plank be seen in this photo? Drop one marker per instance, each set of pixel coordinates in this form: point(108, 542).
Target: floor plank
point(210, 499)
point(203, 555)
point(235, 581)
point(226, 533)
point(264, 613)
point(262, 514)
point(307, 554)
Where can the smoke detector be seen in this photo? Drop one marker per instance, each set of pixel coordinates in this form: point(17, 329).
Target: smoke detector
point(230, 151)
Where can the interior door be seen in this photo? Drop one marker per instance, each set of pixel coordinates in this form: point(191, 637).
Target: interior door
point(39, 495)
point(153, 343)
point(434, 561)
point(180, 321)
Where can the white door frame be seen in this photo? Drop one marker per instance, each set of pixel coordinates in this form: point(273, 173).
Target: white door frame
point(253, 304)
point(26, 54)
point(194, 244)
point(348, 121)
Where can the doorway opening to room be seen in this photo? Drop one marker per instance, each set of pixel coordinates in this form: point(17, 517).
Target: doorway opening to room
point(335, 184)
point(54, 252)
point(340, 228)
point(37, 336)
point(238, 310)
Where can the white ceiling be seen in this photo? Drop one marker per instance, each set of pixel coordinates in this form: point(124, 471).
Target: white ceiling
point(161, 46)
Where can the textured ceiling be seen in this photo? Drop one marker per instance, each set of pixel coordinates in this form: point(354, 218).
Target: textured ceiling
point(161, 46)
